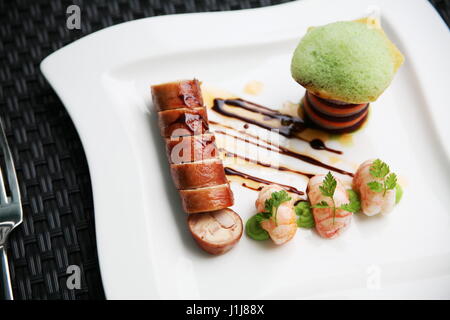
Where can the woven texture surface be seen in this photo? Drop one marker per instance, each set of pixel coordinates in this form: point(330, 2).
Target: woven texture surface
point(58, 228)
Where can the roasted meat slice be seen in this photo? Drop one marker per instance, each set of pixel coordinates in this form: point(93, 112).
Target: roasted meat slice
point(178, 94)
point(191, 148)
point(183, 122)
point(206, 199)
point(200, 174)
point(216, 232)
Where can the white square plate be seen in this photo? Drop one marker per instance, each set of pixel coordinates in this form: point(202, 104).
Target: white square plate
point(145, 249)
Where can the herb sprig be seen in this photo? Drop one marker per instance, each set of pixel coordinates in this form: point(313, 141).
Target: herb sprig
point(381, 170)
point(271, 206)
point(355, 204)
point(327, 189)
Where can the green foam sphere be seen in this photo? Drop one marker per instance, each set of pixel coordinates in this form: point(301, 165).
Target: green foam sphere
point(347, 61)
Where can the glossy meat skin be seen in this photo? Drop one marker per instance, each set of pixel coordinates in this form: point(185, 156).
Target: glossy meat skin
point(176, 95)
point(329, 224)
point(198, 174)
point(196, 169)
point(191, 148)
point(216, 232)
point(207, 199)
point(372, 203)
point(183, 122)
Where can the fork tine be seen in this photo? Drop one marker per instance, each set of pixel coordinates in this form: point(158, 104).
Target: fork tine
point(11, 172)
point(3, 197)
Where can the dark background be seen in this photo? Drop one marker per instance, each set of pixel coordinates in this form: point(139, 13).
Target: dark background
point(58, 228)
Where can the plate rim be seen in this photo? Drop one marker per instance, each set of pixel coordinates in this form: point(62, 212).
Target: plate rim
point(52, 69)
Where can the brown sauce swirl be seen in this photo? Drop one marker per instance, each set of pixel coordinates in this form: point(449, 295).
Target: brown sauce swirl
point(289, 153)
point(264, 164)
point(233, 172)
point(290, 127)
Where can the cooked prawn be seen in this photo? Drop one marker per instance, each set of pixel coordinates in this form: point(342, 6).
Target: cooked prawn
point(284, 226)
point(372, 202)
point(329, 222)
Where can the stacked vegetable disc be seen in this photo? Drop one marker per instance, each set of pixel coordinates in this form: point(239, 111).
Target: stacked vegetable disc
point(334, 116)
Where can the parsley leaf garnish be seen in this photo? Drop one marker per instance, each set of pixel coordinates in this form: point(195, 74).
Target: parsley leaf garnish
point(391, 181)
point(354, 205)
point(328, 188)
point(321, 205)
point(375, 186)
point(260, 217)
point(271, 205)
point(329, 185)
point(381, 170)
point(275, 200)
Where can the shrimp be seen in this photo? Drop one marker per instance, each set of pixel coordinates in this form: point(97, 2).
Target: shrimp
point(329, 222)
point(284, 227)
point(372, 202)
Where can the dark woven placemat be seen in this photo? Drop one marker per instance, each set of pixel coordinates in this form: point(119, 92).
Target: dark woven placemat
point(58, 228)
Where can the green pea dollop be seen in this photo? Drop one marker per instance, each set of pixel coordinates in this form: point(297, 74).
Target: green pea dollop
point(254, 230)
point(398, 193)
point(305, 216)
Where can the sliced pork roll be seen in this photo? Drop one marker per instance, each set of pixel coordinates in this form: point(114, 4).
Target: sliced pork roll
point(176, 95)
point(216, 232)
point(201, 174)
point(206, 199)
point(191, 148)
point(183, 122)
point(196, 169)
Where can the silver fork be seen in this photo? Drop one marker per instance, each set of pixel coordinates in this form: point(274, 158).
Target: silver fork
point(10, 214)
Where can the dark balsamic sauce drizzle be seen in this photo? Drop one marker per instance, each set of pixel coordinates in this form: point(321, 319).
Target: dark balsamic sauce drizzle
point(290, 126)
point(298, 201)
point(251, 188)
point(290, 153)
point(263, 164)
point(233, 172)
